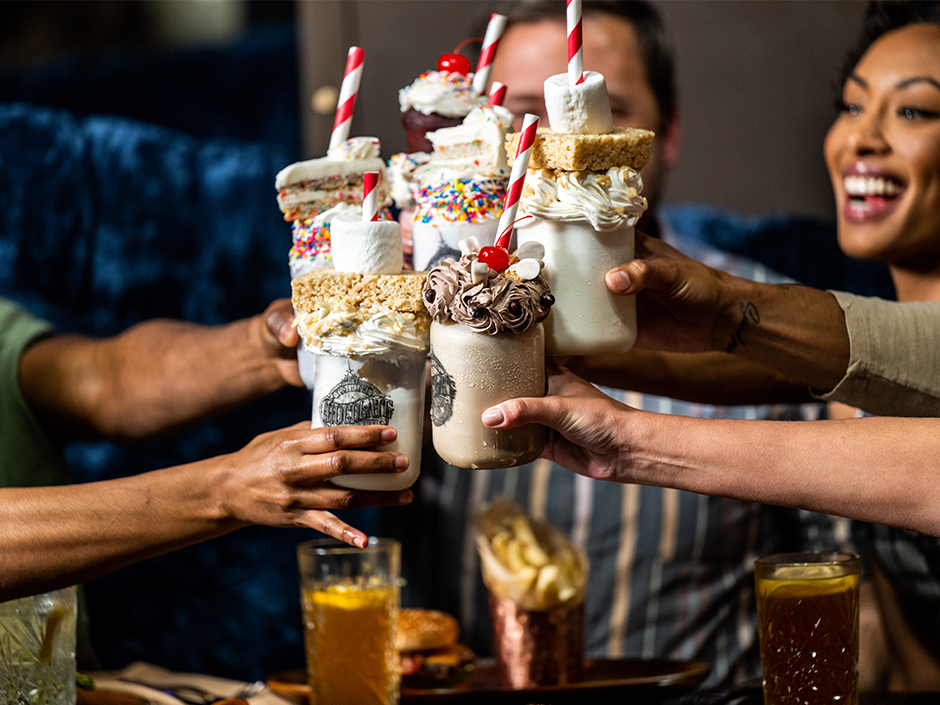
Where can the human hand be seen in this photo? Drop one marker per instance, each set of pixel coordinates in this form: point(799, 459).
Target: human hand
point(279, 340)
point(683, 305)
point(585, 424)
point(282, 478)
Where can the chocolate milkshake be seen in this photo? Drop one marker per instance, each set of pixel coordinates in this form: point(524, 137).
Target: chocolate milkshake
point(487, 346)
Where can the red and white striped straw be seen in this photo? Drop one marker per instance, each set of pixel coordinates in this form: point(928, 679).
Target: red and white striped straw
point(347, 97)
point(494, 30)
point(497, 94)
point(370, 196)
point(575, 52)
point(517, 179)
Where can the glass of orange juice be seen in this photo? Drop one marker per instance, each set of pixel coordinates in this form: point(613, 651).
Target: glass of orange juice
point(807, 618)
point(350, 599)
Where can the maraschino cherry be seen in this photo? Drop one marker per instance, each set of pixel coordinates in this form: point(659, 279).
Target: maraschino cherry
point(496, 258)
point(454, 63)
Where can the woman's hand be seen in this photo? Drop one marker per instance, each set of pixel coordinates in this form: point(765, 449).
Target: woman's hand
point(586, 425)
point(283, 478)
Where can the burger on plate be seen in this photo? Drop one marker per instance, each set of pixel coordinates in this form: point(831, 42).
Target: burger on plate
point(431, 656)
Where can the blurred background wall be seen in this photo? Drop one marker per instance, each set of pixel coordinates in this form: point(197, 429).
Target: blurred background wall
point(756, 84)
point(756, 79)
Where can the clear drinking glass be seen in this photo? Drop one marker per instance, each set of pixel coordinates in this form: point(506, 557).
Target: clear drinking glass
point(807, 618)
point(37, 649)
point(350, 599)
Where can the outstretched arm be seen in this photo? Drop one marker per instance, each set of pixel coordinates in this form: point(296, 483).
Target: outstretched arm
point(157, 376)
point(876, 469)
point(704, 378)
point(57, 536)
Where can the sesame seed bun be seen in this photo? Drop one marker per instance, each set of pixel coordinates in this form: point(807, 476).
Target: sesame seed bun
point(420, 630)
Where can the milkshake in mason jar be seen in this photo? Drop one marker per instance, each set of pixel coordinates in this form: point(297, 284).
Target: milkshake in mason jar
point(582, 193)
point(365, 320)
point(460, 191)
point(487, 346)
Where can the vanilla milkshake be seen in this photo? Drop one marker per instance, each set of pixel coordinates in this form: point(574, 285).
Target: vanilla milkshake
point(487, 346)
point(586, 224)
point(365, 321)
point(581, 200)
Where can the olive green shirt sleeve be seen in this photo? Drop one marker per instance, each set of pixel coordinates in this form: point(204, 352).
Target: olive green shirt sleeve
point(28, 456)
point(894, 358)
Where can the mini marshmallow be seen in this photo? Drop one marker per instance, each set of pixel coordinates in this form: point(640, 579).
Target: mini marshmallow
point(530, 248)
point(468, 245)
point(479, 272)
point(583, 109)
point(526, 269)
point(371, 247)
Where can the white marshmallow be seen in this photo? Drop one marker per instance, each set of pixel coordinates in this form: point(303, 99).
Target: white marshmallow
point(583, 109)
point(372, 247)
point(479, 272)
point(531, 249)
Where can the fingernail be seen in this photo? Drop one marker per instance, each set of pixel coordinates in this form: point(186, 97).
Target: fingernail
point(405, 497)
point(277, 323)
point(401, 462)
point(618, 281)
point(389, 435)
point(493, 416)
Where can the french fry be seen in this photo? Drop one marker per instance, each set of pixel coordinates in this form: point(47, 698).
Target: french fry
point(528, 561)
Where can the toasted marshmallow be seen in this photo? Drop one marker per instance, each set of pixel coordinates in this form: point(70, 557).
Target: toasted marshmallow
point(583, 109)
point(366, 247)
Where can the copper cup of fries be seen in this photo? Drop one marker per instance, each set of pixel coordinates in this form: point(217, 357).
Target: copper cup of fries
point(536, 580)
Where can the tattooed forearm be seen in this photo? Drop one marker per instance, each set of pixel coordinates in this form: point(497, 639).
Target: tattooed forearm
point(749, 315)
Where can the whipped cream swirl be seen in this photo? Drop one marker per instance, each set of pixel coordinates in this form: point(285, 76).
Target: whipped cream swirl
point(443, 92)
point(493, 305)
point(357, 148)
point(354, 332)
point(607, 200)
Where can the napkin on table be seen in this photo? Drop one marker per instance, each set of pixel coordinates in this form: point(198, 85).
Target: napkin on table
point(158, 677)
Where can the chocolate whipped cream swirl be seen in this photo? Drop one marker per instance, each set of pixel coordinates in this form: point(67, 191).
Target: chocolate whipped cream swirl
point(494, 305)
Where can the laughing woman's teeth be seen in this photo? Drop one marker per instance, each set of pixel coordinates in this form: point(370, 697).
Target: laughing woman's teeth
point(870, 186)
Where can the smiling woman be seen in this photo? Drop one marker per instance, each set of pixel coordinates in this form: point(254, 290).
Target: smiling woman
point(883, 153)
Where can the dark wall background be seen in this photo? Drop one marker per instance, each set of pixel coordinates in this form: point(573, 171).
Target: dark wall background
point(755, 78)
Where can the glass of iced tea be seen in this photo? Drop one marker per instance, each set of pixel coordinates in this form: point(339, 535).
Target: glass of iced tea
point(807, 617)
point(350, 599)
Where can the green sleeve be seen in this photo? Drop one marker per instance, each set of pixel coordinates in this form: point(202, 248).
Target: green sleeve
point(28, 456)
point(894, 362)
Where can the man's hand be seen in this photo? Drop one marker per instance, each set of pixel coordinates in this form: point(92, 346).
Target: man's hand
point(279, 339)
point(283, 478)
point(682, 304)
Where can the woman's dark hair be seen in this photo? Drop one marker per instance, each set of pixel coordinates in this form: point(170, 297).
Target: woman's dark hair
point(655, 43)
point(881, 17)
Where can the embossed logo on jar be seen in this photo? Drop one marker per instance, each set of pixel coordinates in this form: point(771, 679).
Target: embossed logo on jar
point(443, 391)
point(355, 402)
point(444, 251)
